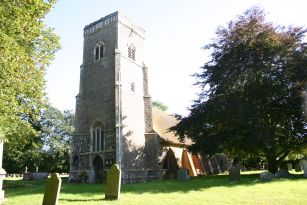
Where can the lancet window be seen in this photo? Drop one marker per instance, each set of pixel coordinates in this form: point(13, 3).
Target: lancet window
point(97, 137)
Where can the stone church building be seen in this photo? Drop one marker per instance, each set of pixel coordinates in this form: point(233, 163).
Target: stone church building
point(115, 121)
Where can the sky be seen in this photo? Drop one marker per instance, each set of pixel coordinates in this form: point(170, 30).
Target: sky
point(176, 31)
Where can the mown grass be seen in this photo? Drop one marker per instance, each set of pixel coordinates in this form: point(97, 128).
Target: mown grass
point(201, 190)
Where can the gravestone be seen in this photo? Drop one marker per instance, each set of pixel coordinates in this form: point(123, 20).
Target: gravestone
point(2, 176)
point(182, 174)
point(234, 173)
point(2, 173)
point(40, 175)
point(52, 190)
point(303, 163)
point(266, 176)
point(27, 176)
point(281, 173)
point(298, 167)
point(113, 183)
point(289, 166)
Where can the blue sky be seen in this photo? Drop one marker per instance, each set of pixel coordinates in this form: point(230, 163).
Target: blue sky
point(175, 32)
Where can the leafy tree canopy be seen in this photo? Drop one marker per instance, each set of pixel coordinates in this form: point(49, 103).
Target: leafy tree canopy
point(27, 46)
point(252, 92)
point(49, 150)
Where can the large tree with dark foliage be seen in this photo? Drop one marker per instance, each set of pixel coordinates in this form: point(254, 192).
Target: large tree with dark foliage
point(252, 92)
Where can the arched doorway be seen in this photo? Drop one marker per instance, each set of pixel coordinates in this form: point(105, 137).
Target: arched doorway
point(170, 163)
point(98, 168)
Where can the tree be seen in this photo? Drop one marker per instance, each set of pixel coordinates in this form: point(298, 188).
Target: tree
point(252, 92)
point(56, 131)
point(27, 46)
point(159, 105)
point(49, 151)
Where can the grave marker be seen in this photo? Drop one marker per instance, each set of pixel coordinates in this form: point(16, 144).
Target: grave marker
point(2, 173)
point(266, 176)
point(298, 167)
point(113, 183)
point(182, 174)
point(303, 163)
point(234, 173)
point(52, 190)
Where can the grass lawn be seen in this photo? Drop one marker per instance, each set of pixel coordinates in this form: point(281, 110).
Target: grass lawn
point(201, 190)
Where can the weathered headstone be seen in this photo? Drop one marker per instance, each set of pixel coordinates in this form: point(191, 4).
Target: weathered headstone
point(234, 173)
point(40, 175)
point(182, 174)
point(266, 176)
point(52, 190)
point(298, 167)
point(303, 163)
point(289, 166)
point(27, 176)
point(282, 173)
point(2, 173)
point(113, 183)
point(26, 169)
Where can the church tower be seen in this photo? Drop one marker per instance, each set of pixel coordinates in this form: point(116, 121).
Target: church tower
point(113, 107)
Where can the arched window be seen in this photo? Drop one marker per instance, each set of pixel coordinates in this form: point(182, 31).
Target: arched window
point(131, 52)
point(99, 51)
point(97, 138)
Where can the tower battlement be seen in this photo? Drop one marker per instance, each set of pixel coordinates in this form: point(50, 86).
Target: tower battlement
point(111, 18)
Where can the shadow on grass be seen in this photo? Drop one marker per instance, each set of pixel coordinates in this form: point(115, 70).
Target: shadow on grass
point(21, 187)
point(81, 200)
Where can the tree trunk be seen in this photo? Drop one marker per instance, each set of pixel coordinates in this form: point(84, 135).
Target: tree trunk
point(272, 165)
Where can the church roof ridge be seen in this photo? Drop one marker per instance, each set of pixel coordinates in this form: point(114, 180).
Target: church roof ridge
point(162, 121)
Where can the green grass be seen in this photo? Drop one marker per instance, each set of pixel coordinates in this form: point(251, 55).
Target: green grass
point(200, 190)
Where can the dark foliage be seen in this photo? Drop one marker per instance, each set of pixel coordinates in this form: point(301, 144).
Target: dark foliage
point(252, 92)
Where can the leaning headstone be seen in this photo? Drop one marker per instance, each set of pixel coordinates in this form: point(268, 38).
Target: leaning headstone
point(113, 183)
point(234, 173)
point(303, 163)
point(266, 176)
point(52, 190)
point(182, 174)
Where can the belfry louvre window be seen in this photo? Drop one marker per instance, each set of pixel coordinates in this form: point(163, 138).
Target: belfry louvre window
point(133, 87)
point(131, 52)
point(97, 137)
point(99, 51)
